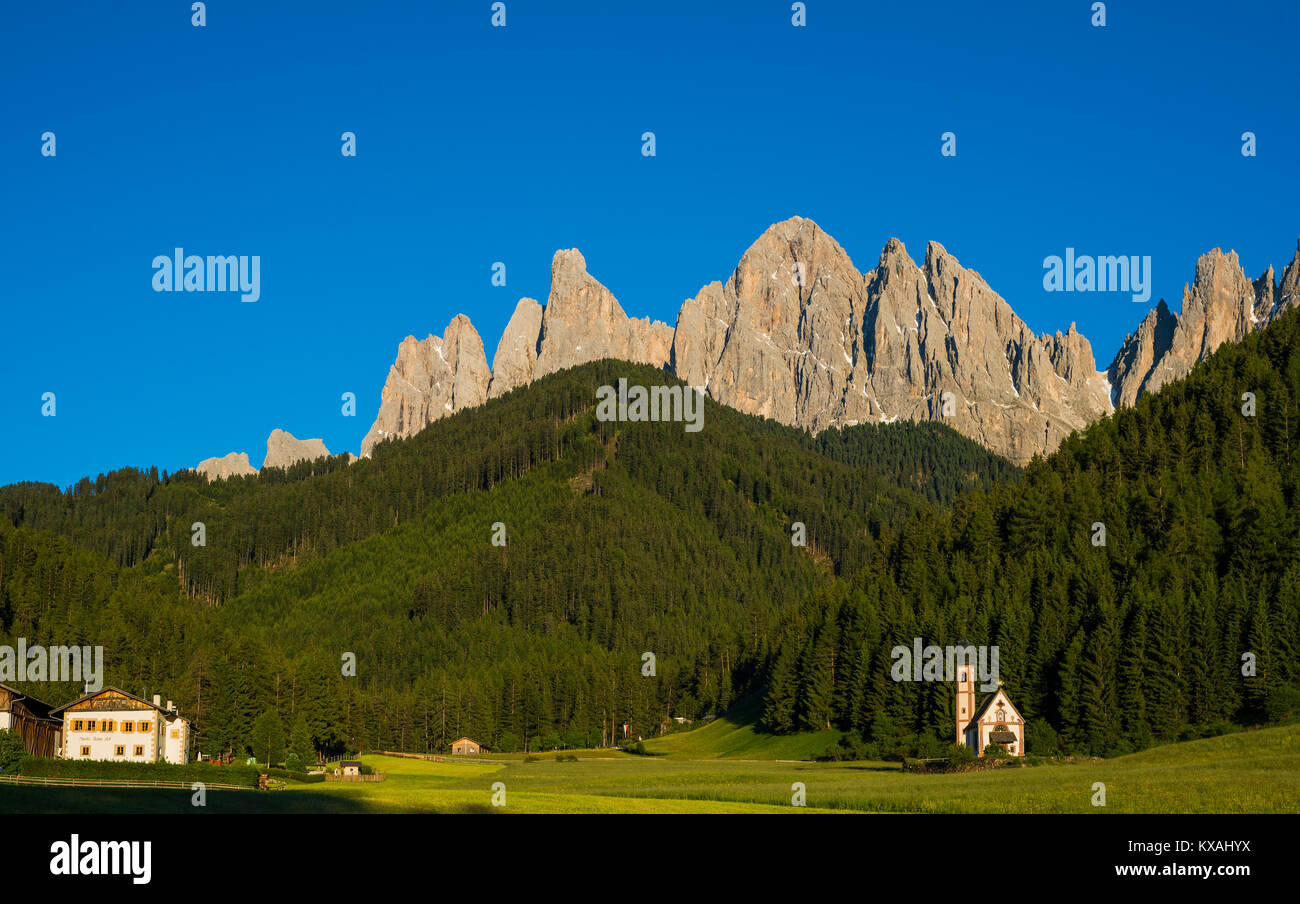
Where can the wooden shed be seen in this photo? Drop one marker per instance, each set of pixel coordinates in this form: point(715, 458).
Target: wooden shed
point(463, 746)
point(41, 732)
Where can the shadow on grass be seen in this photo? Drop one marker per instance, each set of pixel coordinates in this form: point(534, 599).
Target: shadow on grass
point(17, 799)
point(872, 767)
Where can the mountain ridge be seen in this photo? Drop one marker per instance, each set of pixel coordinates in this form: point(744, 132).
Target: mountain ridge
point(798, 334)
point(1220, 305)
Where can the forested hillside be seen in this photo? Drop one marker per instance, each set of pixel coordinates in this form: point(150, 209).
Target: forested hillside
point(1105, 648)
point(633, 538)
point(621, 539)
point(929, 457)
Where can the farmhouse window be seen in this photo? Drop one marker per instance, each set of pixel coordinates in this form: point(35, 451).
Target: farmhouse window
point(108, 725)
point(119, 750)
point(85, 751)
point(128, 726)
point(90, 724)
point(139, 751)
point(144, 726)
point(77, 724)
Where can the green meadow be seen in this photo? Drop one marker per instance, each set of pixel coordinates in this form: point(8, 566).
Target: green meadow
point(735, 736)
point(1248, 772)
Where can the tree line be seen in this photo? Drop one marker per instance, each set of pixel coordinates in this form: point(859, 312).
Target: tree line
point(627, 538)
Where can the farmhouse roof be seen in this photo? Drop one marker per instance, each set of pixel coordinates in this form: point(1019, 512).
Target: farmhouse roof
point(103, 690)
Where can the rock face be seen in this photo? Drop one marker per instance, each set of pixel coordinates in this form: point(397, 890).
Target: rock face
point(798, 334)
point(233, 465)
point(1221, 305)
point(1013, 391)
point(516, 356)
point(1287, 294)
point(284, 449)
point(1139, 354)
point(582, 322)
point(431, 379)
point(778, 339)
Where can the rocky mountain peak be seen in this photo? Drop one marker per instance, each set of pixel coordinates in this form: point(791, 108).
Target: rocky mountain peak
point(797, 333)
point(894, 258)
point(233, 464)
point(836, 347)
point(583, 321)
point(516, 355)
point(284, 449)
point(934, 253)
point(777, 339)
point(1221, 305)
point(1288, 289)
point(431, 378)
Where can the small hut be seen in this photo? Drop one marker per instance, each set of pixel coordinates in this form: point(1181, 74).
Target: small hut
point(464, 746)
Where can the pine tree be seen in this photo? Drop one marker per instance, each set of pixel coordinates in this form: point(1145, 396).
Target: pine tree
point(780, 702)
point(300, 746)
point(267, 738)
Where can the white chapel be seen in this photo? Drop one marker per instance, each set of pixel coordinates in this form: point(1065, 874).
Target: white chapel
point(995, 721)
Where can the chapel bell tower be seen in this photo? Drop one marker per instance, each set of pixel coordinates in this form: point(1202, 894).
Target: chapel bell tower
point(964, 709)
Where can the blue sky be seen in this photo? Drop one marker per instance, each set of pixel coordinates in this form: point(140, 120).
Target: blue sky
point(479, 144)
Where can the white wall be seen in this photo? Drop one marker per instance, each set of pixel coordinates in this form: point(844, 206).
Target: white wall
point(176, 735)
point(103, 744)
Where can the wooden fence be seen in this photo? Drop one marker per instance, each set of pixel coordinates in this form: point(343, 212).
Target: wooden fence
point(114, 783)
point(439, 758)
point(373, 777)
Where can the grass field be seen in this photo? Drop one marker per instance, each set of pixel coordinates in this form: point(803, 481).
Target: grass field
point(733, 736)
point(1250, 772)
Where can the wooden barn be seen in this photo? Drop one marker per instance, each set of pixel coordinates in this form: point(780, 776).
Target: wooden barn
point(31, 719)
point(463, 746)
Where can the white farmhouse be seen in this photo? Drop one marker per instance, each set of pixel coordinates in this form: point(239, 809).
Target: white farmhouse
point(113, 725)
